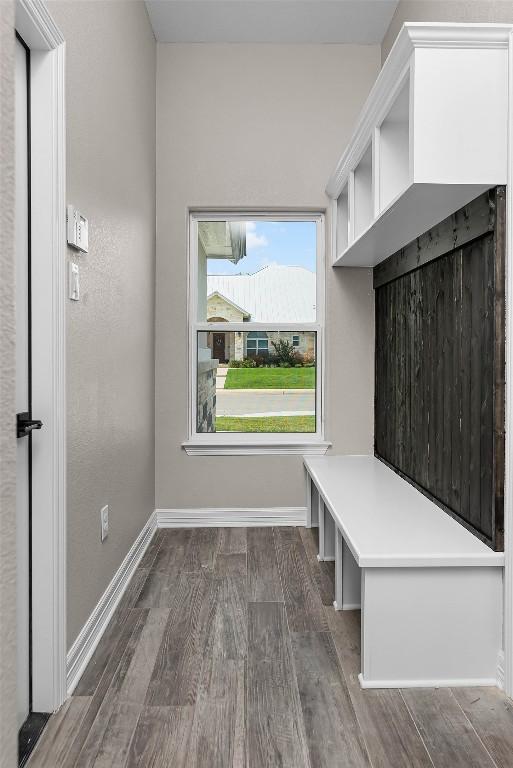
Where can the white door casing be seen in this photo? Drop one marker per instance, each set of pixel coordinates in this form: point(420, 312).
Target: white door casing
point(22, 383)
point(49, 262)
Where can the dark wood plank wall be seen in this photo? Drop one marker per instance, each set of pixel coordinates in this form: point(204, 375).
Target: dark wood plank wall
point(439, 389)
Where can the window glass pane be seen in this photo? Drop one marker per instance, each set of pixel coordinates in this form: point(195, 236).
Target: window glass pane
point(257, 271)
point(242, 385)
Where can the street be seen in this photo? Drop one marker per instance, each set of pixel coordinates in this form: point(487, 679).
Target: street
point(270, 402)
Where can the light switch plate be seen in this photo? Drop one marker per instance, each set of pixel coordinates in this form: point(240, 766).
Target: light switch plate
point(78, 230)
point(74, 282)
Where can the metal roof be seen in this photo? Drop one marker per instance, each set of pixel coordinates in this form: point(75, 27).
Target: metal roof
point(273, 294)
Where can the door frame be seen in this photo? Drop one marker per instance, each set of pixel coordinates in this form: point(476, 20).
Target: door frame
point(49, 265)
point(507, 663)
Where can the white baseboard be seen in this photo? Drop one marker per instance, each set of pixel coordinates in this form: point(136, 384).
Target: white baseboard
point(347, 606)
point(230, 517)
point(500, 670)
point(456, 683)
point(84, 646)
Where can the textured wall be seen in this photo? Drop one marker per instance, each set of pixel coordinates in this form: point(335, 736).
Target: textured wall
point(255, 126)
point(8, 726)
point(110, 94)
point(445, 10)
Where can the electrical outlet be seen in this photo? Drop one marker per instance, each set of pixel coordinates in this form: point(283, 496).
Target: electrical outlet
point(104, 521)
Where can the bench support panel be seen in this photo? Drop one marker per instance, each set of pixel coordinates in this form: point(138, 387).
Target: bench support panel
point(312, 503)
point(326, 533)
point(347, 577)
point(430, 626)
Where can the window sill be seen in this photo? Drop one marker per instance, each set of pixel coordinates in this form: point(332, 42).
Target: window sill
point(247, 447)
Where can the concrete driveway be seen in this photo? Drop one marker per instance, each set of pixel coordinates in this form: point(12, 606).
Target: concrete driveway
point(265, 402)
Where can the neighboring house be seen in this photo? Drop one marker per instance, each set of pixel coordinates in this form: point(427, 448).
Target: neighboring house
point(273, 294)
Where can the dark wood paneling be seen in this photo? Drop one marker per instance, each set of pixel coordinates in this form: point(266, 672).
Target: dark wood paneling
point(473, 220)
point(439, 394)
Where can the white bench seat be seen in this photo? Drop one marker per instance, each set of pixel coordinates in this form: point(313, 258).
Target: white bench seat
point(387, 523)
point(429, 590)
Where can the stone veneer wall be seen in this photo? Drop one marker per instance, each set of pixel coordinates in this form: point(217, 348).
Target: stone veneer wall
point(206, 400)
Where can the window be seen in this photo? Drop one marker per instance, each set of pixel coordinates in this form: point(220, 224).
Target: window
point(256, 311)
point(257, 343)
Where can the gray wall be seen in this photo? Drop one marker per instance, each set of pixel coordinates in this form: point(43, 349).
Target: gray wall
point(8, 725)
point(445, 10)
point(254, 126)
point(111, 56)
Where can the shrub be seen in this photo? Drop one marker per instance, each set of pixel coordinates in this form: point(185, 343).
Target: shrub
point(299, 359)
point(298, 365)
point(248, 362)
point(309, 359)
point(284, 352)
point(260, 361)
point(285, 364)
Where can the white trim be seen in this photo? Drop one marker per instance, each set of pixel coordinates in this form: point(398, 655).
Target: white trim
point(347, 606)
point(248, 326)
point(508, 481)
point(230, 517)
point(435, 683)
point(221, 444)
point(92, 631)
point(393, 72)
point(36, 26)
point(48, 186)
point(500, 670)
point(251, 447)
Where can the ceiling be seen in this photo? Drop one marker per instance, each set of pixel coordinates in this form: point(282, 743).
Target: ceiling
point(270, 21)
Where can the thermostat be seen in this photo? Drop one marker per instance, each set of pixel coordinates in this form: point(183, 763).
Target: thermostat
point(78, 230)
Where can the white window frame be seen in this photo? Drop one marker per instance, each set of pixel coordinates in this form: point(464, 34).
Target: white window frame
point(295, 336)
point(244, 443)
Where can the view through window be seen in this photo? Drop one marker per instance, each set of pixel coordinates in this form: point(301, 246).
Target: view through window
point(257, 326)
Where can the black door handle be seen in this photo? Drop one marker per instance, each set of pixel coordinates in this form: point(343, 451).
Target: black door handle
point(25, 425)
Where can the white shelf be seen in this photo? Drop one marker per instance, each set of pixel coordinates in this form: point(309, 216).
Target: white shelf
point(416, 210)
point(343, 220)
point(431, 137)
point(362, 199)
point(394, 149)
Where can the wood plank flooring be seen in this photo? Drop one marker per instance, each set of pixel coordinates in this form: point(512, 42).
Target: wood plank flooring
point(225, 652)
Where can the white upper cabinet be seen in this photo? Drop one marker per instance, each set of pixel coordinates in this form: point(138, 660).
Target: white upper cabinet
point(431, 137)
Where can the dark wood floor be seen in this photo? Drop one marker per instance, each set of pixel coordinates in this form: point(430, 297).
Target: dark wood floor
point(225, 652)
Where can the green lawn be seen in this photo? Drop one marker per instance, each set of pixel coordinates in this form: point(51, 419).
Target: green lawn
point(270, 378)
point(265, 424)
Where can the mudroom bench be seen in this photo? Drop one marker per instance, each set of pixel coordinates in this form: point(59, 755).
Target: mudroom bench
point(430, 592)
